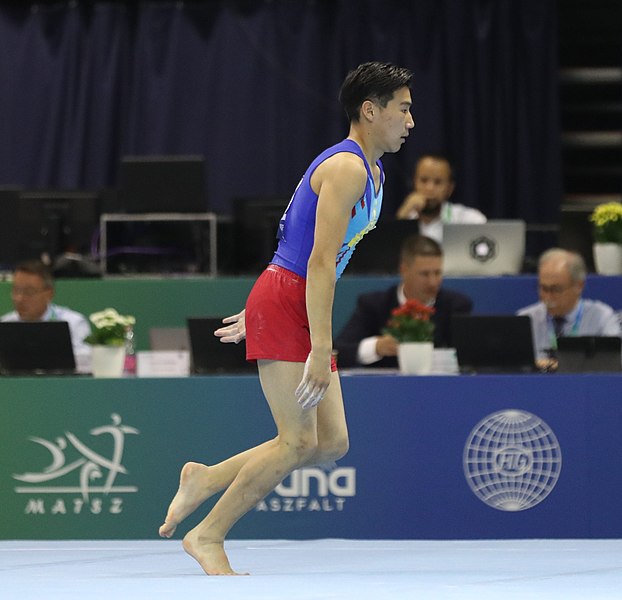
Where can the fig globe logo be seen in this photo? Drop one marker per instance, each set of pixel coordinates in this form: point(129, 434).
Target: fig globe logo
point(512, 460)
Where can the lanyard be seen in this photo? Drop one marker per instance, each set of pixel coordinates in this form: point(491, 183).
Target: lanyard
point(51, 314)
point(573, 331)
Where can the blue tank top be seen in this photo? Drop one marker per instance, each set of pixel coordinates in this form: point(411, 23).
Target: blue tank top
point(297, 225)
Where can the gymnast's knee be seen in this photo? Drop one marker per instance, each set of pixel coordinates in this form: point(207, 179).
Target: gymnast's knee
point(335, 448)
point(301, 449)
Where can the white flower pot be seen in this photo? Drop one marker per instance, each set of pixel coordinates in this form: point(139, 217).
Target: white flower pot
point(415, 358)
point(107, 361)
point(607, 258)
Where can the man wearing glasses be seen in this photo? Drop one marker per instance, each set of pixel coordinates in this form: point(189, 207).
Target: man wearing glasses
point(32, 294)
point(562, 311)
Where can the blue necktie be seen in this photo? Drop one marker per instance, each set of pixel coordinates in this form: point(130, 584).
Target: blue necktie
point(558, 325)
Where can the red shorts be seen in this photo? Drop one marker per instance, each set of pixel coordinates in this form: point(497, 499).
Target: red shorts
point(277, 327)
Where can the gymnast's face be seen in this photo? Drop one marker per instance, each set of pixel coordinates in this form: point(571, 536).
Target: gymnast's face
point(422, 277)
point(392, 123)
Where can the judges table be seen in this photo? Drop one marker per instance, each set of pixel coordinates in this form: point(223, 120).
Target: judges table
point(167, 301)
point(445, 457)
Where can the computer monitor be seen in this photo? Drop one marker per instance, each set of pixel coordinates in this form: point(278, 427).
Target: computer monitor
point(9, 230)
point(161, 184)
point(209, 354)
point(256, 225)
point(576, 232)
point(589, 354)
point(36, 348)
point(493, 343)
point(379, 250)
point(169, 338)
point(55, 222)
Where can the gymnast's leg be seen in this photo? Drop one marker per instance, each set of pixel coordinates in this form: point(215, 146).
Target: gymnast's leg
point(198, 482)
point(296, 445)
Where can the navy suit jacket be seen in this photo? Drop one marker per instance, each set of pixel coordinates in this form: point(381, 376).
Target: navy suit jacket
point(372, 313)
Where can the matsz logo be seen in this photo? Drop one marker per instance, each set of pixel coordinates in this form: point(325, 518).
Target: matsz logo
point(312, 489)
point(512, 460)
point(77, 469)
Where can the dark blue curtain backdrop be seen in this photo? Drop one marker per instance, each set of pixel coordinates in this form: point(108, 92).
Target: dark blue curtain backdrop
point(253, 85)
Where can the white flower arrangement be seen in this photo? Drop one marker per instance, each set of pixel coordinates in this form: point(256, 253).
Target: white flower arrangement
point(108, 328)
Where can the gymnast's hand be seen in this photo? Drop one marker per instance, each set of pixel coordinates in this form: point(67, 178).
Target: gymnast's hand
point(236, 331)
point(314, 383)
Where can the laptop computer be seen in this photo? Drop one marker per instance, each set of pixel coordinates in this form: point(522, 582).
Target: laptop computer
point(493, 343)
point(169, 338)
point(209, 355)
point(36, 348)
point(492, 248)
point(589, 354)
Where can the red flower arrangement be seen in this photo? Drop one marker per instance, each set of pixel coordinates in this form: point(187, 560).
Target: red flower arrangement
point(411, 322)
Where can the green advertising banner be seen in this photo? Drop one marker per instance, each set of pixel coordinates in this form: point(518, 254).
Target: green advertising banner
point(95, 458)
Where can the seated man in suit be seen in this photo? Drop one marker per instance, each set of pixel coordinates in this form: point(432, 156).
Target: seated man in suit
point(562, 311)
point(361, 342)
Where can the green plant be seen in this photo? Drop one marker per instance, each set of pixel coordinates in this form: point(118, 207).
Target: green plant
point(607, 220)
point(108, 328)
point(411, 322)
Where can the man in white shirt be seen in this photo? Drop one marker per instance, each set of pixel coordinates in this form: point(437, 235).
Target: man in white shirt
point(433, 184)
point(562, 311)
point(32, 294)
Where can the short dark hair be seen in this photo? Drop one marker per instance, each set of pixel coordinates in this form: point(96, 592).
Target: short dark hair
point(371, 81)
point(437, 158)
point(37, 267)
point(419, 245)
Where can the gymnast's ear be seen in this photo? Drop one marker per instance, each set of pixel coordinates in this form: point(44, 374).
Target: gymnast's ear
point(368, 109)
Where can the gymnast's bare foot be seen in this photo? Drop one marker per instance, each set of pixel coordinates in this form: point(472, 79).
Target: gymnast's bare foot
point(194, 489)
point(209, 554)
